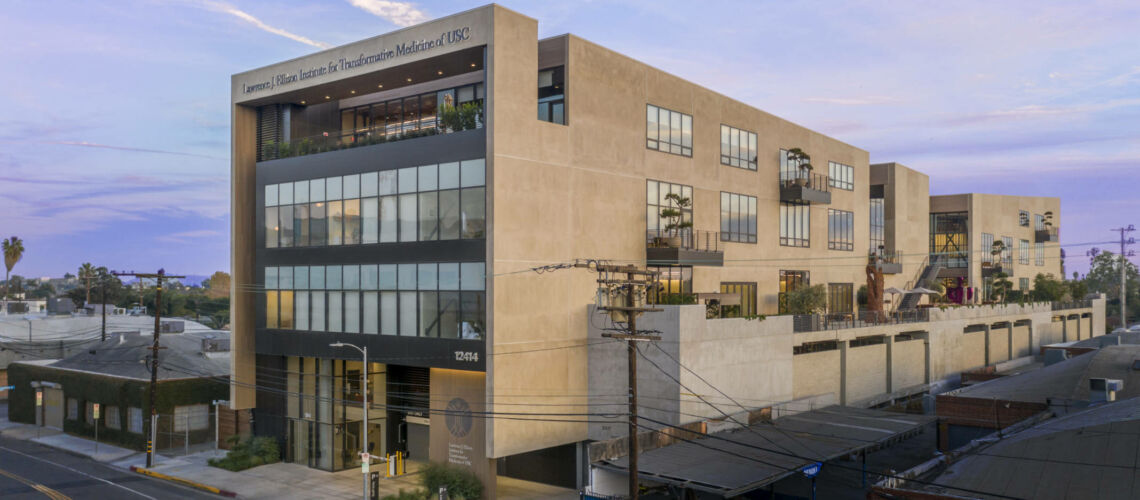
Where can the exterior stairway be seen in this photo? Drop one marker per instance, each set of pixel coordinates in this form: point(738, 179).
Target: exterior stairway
point(933, 265)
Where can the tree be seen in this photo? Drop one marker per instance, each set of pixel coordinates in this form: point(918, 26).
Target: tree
point(1104, 277)
point(218, 285)
point(13, 251)
point(1001, 287)
point(87, 273)
point(1047, 288)
point(807, 299)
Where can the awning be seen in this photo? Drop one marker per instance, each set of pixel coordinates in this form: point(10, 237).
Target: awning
point(796, 441)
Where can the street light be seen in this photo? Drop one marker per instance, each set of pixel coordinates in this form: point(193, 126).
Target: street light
point(364, 433)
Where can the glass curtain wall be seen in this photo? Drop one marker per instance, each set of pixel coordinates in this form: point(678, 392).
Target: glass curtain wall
point(324, 412)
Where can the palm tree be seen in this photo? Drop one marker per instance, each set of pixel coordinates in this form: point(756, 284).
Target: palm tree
point(13, 251)
point(87, 273)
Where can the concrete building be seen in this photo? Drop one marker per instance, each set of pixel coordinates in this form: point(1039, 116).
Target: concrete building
point(397, 193)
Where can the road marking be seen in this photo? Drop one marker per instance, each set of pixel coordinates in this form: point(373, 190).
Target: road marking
point(48, 492)
point(78, 472)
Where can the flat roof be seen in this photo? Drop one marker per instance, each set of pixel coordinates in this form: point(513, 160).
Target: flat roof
point(733, 468)
point(1066, 380)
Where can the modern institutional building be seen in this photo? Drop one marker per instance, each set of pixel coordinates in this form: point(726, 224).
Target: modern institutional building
point(395, 192)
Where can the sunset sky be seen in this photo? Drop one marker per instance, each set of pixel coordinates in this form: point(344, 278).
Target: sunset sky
point(114, 130)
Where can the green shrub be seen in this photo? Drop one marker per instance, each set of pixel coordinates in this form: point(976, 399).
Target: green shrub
point(460, 483)
point(246, 454)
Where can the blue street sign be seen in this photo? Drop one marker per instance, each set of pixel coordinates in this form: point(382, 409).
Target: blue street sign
point(812, 470)
point(7, 388)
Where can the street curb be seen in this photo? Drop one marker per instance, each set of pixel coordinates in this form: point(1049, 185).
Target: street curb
point(185, 482)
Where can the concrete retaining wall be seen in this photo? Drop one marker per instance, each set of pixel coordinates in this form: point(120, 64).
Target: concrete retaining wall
point(866, 371)
point(816, 373)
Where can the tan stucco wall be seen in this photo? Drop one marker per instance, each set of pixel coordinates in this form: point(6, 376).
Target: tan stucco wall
point(816, 373)
point(999, 345)
point(243, 128)
point(908, 364)
point(866, 371)
point(973, 351)
point(1021, 341)
point(906, 203)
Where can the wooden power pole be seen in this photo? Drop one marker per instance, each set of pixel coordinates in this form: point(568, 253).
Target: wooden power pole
point(624, 301)
point(158, 277)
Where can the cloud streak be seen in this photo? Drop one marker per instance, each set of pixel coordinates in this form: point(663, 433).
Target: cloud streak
point(398, 13)
point(86, 144)
point(259, 24)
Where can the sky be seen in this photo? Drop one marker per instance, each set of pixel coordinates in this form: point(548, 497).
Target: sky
point(114, 118)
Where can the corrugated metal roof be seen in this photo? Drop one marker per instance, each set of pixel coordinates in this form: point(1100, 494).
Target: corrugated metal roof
point(1065, 380)
point(733, 468)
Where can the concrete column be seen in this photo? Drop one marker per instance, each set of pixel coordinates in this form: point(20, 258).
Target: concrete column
point(1010, 344)
point(926, 362)
point(889, 341)
point(987, 342)
point(1032, 341)
point(1064, 328)
point(843, 346)
point(1078, 328)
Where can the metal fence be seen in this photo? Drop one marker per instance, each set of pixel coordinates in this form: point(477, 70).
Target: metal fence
point(819, 322)
point(1076, 304)
point(189, 431)
point(685, 239)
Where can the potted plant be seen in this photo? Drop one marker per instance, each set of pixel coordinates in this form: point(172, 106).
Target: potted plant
point(803, 163)
point(674, 213)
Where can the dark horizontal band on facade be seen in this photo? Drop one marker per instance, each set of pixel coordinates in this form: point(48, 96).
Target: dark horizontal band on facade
point(474, 250)
point(457, 354)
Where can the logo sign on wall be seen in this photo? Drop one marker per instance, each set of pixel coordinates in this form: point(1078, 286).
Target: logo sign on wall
point(459, 420)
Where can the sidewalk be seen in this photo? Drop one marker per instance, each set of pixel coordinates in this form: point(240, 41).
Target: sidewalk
point(282, 481)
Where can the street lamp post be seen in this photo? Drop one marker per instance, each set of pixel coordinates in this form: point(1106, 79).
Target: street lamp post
point(364, 398)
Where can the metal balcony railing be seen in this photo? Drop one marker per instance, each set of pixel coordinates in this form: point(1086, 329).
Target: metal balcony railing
point(1076, 304)
point(802, 323)
point(887, 256)
point(818, 182)
point(685, 239)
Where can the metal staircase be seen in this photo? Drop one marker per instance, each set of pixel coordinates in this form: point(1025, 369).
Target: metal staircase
point(931, 265)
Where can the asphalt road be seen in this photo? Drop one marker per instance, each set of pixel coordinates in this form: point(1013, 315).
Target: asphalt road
point(32, 471)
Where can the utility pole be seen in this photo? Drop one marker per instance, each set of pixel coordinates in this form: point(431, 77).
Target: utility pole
point(159, 276)
point(103, 299)
point(1124, 254)
point(624, 301)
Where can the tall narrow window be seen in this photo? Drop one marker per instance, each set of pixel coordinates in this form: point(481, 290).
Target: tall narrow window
point(272, 227)
point(747, 300)
point(271, 309)
point(301, 225)
point(795, 224)
point(657, 199)
point(318, 224)
point(352, 222)
point(840, 176)
point(408, 219)
point(286, 226)
point(1039, 253)
point(987, 248)
point(473, 201)
point(1007, 252)
point(737, 217)
point(878, 224)
point(790, 281)
point(389, 224)
point(840, 230)
point(552, 95)
point(336, 222)
point(1023, 252)
point(370, 220)
point(839, 298)
point(949, 239)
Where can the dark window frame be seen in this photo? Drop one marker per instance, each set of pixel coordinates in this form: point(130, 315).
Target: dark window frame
point(748, 294)
point(740, 207)
point(799, 234)
point(836, 240)
point(845, 181)
point(739, 156)
point(654, 141)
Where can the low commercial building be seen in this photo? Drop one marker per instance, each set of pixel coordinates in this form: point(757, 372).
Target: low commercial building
point(115, 375)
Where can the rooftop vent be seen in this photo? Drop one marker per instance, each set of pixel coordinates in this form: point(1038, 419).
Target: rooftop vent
point(1103, 390)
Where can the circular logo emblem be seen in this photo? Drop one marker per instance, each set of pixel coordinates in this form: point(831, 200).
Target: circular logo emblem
point(459, 417)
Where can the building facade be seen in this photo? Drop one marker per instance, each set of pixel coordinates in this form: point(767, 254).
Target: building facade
point(397, 193)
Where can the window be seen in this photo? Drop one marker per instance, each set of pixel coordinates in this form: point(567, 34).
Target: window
point(747, 306)
point(425, 299)
point(191, 417)
point(426, 203)
point(737, 217)
point(795, 224)
point(1039, 251)
point(1023, 284)
point(1023, 218)
point(1023, 252)
point(878, 224)
point(987, 248)
point(552, 95)
point(790, 281)
point(674, 283)
point(111, 418)
point(1007, 252)
point(1038, 222)
point(668, 131)
point(656, 200)
point(840, 230)
point(948, 238)
point(840, 176)
point(839, 298)
point(72, 409)
point(737, 147)
point(135, 420)
point(89, 412)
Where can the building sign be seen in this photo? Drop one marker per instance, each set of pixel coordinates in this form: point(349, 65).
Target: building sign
point(95, 409)
point(39, 398)
point(383, 54)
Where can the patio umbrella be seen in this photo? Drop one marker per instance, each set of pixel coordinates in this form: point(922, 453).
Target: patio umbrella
point(893, 291)
point(925, 291)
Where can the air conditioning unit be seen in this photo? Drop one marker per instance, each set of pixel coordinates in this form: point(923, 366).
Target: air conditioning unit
point(1103, 390)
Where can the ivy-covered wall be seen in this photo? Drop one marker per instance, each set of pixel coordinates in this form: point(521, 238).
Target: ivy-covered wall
point(111, 391)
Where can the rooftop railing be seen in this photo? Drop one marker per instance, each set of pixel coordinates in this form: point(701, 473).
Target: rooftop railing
point(1075, 304)
point(809, 180)
point(802, 323)
point(887, 256)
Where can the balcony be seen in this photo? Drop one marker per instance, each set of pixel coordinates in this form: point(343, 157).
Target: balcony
point(462, 118)
point(890, 261)
point(804, 187)
point(687, 247)
point(991, 269)
point(1047, 234)
point(803, 323)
